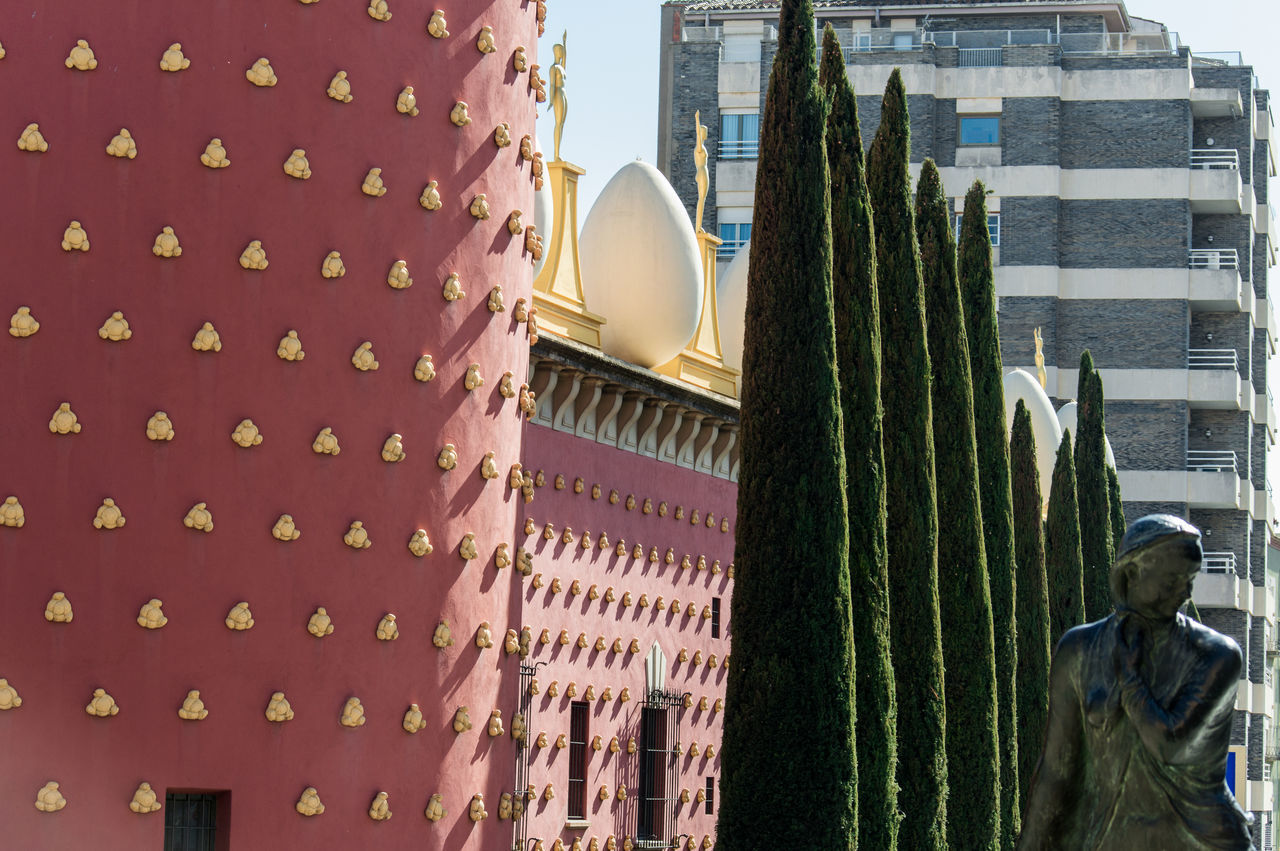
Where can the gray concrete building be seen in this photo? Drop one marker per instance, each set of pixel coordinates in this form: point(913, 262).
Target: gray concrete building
point(1130, 216)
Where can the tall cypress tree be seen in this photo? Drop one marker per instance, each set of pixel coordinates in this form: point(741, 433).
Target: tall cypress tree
point(964, 594)
point(1034, 650)
point(1118, 524)
point(978, 288)
point(915, 633)
point(857, 312)
point(1063, 561)
point(789, 756)
point(1096, 544)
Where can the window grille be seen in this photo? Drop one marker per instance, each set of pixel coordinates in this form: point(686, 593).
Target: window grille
point(520, 827)
point(715, 617)
point(739, 136)
point(578, 760)
point(733, 237)
point(711, 795)
point(659, 766)
point(190, 821)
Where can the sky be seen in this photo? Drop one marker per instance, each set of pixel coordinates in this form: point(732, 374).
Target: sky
point(613, 70)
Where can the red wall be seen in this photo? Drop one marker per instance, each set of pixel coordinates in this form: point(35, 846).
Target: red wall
point(115, 387)
point(555, 452)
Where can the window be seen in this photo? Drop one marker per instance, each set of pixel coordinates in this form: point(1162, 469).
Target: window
point(993, 226)
point(578, 760)
point(190, 821)
point(979, 130)
point(653, 773)
point(711, 795)
point(739, 136)
point(903, 40)
point(715, 617)
point(734, 236)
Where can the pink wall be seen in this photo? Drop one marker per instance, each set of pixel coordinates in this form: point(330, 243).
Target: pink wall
point(115, 387)
point(555, 453)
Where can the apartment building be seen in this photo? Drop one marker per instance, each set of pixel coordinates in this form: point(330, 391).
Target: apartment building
point(1130, 216)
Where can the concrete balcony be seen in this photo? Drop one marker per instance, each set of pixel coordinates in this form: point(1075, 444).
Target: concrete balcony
point(1215, 185)
point(1216, 103)
point(1264, 316)
point(1244, 698)
point(1219, 389)
point(1263, 604)
point(1214, 283)
point(1213, 590)
point(1263, 699)
point(1197, 488)
point(1264, 218)
point(1259, 796)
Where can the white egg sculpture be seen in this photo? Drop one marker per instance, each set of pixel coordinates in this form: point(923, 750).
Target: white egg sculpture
point(731, 299)
point(543, 217)
point(640, 267)
point(1067, 419)
point(1020, 384)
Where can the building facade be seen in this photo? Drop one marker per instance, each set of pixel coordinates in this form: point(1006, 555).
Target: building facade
point(270, 463)
point(1130, 216)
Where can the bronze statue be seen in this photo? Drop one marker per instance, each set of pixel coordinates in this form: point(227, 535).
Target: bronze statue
point(1140, 708)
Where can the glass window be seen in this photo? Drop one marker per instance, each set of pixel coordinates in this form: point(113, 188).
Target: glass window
point(903, 40)
point(979, 130)
point(739, 136)
point(734, 236)
point(190, 821)
point(993, 227)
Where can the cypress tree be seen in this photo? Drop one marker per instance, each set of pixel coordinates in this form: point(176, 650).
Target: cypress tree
point(857, 315)
point(978, 289)
point(1096, 543)
point(1034, 650)
point(1062, 546)
point(789, 757)
point(1118, 524)
point(915, 634)
point(964, 594)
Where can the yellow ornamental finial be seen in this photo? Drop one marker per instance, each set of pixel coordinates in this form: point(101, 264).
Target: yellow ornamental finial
point(700, 163)
point(559, 100)
point(1040, 373)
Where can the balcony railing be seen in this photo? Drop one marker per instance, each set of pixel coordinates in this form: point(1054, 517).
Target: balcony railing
point(1212, 359)
point(729, 248)
point(1211, 461)
point(1204, 158)
point(1120, 44)
point(739, 150)
point(702, 34)
point(1218, 563)
point(864, 41)
point(980, 57)
point(1213, 258)
point(973, 39)
point(1271, 753)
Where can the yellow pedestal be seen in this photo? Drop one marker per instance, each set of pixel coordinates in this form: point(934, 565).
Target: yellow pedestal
point(702, 361)
point(557, 291)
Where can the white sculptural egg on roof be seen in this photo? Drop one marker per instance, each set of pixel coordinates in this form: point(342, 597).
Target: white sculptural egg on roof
point(640, 267)
point(543, 216)
point(1067, 419)
point(1020, 384)
point(731, 299)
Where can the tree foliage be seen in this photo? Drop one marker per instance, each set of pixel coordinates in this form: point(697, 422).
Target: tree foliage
point(909, 482)
point(1096, 544)
point(857, 321)
point(964, 593)
point(978, 291)
point(1034, 649)
point(1063, 561)
point(788, 763)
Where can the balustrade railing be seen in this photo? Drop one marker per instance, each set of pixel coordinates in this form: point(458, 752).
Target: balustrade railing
point(1212, 359)
point(1215, 158)
point(1213, 258)
point(1211, 461)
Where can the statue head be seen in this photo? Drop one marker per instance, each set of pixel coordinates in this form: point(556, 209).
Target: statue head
point(1158, 557)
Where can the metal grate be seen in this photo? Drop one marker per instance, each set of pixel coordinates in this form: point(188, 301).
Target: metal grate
point(715, 617)
point(578, 760)
point(711, 795)
point(659, 767)
point(190, 821)
point(520, 826)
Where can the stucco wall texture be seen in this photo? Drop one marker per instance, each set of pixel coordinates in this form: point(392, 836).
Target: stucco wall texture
point(114, 387)
point(557, 453)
